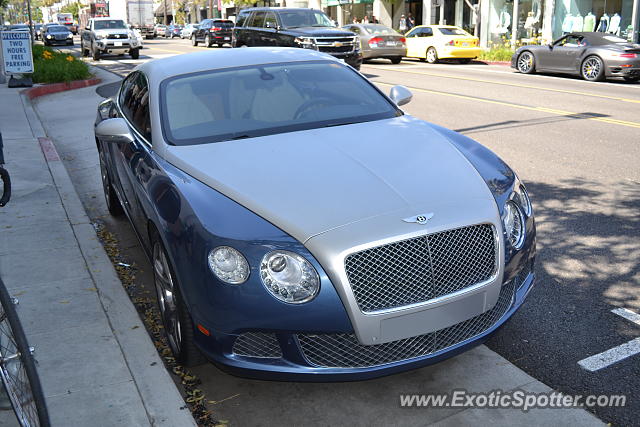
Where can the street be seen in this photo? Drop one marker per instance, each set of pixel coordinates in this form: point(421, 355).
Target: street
point(575, 144)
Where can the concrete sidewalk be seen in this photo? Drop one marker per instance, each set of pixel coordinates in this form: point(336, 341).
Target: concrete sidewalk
point(96, 362)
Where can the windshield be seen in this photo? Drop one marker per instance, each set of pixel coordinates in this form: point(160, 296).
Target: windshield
point(304, 18)
point(453, 32)
point(379, 29)
point(260, 100)
point(57, 29)
point(109, 25)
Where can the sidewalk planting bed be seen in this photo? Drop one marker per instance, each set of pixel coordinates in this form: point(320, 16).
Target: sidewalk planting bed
point(51, 66)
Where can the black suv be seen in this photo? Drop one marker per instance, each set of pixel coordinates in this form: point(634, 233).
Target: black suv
point(305, 28)
point(212, 31)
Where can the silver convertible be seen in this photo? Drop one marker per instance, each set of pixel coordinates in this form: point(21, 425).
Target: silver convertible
point(301, 225)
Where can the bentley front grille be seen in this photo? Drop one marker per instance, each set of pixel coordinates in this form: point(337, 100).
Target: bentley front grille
point(422, 268)
point(257, 344)
point(344, 350)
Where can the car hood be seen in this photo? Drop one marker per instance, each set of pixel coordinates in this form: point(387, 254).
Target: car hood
point(311, 182)
point(319, 32)
point(121, 31)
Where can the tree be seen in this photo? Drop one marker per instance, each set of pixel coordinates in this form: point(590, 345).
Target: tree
point(72, 8)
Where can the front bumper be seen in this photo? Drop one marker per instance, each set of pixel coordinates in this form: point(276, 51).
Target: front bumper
point(352, 58)
point(312, 356)
point(117, 46)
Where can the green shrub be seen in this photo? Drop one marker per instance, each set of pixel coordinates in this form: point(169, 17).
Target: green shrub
point(51, 66)
point(497, 54)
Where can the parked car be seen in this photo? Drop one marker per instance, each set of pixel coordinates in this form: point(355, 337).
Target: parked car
point(593, 56)
point(187, 31)
point(19, 27)
point(212, 31)
point(172, 31)
point(379, 41)
point(435, 42)
point(37, 29)
point(304, 28)
point(57, 34)
point(159, 30)
point(301, 225)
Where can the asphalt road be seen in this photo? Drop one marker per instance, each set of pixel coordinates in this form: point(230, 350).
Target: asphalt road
point(577, 147)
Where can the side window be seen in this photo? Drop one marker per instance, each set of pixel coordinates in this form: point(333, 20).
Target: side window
point(125, 92)
point(258, 19)
point(354, 29)
point(270, 20)
point(415, 32)
point(134, 102)
point(242, 17)
point(205, 24)
point(426, 32)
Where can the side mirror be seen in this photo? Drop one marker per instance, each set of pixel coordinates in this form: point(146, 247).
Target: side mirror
point(114, 130)
point(400, 95)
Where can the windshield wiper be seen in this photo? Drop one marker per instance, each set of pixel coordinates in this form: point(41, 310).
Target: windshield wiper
point(340, 124)
point(244, 136)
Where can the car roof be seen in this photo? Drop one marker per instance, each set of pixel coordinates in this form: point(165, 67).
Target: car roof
point(163, 68)
point(278, 9)
point(596, 38)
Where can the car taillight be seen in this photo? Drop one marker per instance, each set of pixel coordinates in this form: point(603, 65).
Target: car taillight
point(374, 41)
point(403, 40)
point(627, 55)
point(216, 29)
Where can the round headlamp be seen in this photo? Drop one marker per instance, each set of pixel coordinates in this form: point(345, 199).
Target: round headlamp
point(513, 224)
point(228, 265)
point(289, 277)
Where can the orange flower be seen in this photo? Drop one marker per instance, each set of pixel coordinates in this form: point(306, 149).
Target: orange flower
point(70, 58)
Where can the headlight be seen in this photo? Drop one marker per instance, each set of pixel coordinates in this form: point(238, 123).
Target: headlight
point(513, 224)
point(306, 42)
point(48, 36)
point(69, 36)
point(228, 265)
point(289, 277)
point(522, 197)
point(100, 36)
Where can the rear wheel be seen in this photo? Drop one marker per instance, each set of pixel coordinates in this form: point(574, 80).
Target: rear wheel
point(194, 41)
point(526, 63)
point(592, 69)
point(396, 59)
point(432, 55)
point(173, 312)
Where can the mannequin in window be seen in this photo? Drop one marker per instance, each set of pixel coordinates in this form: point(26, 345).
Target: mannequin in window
point(504, 22)
point(589, 22)
point(567, 23)
point(614, 24)
point(578, 23)
point(603, 25)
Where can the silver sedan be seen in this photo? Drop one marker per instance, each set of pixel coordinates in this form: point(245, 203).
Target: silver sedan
point(379, 41)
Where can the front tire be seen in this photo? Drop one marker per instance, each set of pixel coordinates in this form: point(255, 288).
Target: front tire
point(526, 63)
point(592, 69)
point(396, 59)
point(84, 52)
point(135, 53)
point(111, 198)
point(432, 55)
point(95, 53)
point(194, 41)
point(176, 320)
point(207, 41)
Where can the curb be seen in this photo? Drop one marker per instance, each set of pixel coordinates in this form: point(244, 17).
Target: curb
point(163, 403)
point(59, 87)
point(503, 63)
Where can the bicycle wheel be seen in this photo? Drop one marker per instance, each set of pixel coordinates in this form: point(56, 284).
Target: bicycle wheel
point(17, 368)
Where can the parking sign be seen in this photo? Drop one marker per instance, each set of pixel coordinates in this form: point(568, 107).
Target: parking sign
point(16, 52)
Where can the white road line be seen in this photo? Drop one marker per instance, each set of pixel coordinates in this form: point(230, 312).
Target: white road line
point(616, 354)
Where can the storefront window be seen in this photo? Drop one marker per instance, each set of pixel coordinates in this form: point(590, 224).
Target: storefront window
point(528, 23)
point(607, 16)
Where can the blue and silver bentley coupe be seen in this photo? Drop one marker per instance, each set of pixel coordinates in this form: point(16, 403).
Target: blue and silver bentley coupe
point(301, 226)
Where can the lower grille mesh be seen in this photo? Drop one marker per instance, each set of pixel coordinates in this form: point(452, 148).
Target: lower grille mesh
point(257, 344)
point(344, 350)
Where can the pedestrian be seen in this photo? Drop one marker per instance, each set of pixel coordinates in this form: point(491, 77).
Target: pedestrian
point(410, 22)
point(355, 20)
point(374, 20)
point(402, 25)
point(365, 20)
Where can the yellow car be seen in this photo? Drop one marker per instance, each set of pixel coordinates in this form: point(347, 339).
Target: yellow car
point(434, 42)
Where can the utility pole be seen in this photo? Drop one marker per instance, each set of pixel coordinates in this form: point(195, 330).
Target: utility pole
point(30, 22)
point(165, 13)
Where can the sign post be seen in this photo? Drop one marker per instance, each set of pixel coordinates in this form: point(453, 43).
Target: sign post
point(17, 57)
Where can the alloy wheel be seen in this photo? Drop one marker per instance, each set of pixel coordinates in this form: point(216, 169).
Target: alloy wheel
point(165, 291)
point(432, 56)
point(592, 68)
point(525, 62)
